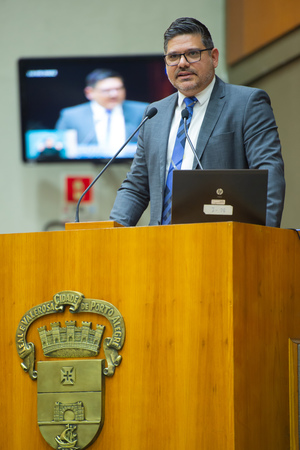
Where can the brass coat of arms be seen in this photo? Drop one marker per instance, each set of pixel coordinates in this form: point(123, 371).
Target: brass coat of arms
point(70, 392)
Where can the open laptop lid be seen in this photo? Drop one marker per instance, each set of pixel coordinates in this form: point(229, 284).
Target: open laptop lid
point(219, 196)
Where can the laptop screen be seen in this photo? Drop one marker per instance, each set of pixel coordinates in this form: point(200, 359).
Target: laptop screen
point(219, 196)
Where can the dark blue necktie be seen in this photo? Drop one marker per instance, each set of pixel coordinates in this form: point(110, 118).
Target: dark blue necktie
point(108, 130)
point(176, 160)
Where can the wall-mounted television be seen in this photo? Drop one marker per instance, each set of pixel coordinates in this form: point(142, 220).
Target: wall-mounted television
point(52, 89)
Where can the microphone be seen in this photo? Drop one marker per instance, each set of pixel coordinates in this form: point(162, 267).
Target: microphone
point(185, 116)
point(151, 113)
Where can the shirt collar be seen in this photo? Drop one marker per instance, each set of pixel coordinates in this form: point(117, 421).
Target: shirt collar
point(99, 111)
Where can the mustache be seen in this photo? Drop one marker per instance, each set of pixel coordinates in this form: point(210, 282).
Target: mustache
point(183, 72)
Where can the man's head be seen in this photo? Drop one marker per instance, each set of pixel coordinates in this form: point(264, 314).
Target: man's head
point(106, 87)
point(191, 57)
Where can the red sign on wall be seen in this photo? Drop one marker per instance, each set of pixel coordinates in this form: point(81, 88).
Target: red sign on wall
point(75, 186)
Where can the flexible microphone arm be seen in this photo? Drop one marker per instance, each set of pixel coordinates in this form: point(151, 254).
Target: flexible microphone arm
point(185, 116)
point(151, 113)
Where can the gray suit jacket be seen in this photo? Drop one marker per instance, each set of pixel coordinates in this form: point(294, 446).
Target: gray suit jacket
point(80, 118)
point(238, 132)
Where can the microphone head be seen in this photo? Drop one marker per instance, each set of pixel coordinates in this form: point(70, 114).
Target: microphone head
point(185, 114)
point(151, 113)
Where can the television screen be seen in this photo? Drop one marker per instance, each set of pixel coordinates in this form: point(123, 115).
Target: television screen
point(85, 108)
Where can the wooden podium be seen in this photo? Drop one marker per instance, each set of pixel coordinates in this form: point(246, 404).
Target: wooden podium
point(212, 313)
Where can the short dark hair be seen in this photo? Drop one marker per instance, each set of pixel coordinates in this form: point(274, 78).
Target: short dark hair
point(188, 25)
point(101, 74)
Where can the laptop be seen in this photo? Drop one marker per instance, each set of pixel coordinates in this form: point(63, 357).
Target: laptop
point(219, 196)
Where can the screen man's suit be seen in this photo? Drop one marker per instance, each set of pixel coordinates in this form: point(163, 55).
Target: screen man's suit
point(80, 118)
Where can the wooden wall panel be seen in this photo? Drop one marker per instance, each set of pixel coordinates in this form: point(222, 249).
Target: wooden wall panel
point(252, 24)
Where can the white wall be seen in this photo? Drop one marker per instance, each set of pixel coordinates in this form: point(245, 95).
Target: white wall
point(31, 196)
point(284, 89)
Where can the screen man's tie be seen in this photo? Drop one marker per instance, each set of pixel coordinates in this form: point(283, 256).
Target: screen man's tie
point(108, 128)
point(176, 160)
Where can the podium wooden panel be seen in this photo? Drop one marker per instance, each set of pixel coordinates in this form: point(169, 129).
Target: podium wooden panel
point(209, 310)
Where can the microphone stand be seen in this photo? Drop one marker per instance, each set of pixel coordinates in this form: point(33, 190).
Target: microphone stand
point(185, 115)
point(108, 164)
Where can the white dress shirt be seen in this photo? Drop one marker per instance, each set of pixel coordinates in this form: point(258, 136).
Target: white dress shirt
point(113, 121)
point(194, 128)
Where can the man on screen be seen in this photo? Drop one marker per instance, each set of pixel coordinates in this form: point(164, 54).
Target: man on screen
point(107, 120)
point(231, 127)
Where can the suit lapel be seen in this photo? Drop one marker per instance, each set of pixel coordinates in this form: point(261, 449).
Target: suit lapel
point(163, 132)
point(87, 123)
point(213, 111)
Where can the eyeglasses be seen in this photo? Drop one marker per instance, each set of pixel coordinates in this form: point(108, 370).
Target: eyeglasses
point(191, 56)
point(109, 91)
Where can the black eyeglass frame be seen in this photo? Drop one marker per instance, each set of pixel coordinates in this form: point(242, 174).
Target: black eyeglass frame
point(184, 54)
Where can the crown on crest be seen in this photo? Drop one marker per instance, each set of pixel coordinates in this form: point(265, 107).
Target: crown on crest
point(71, 341)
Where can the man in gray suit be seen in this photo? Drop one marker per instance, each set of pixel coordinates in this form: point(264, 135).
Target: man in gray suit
point(232, 127)
point(108, 119)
